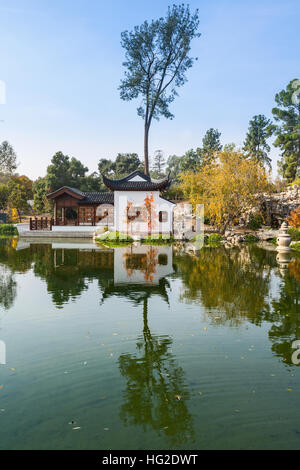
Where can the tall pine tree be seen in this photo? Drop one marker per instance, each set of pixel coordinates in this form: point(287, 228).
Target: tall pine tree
point(210, 145)
point(255, 145)
point(287, 114)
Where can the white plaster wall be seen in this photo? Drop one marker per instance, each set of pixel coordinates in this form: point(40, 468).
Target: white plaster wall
point(22, 227)
point(137, 198)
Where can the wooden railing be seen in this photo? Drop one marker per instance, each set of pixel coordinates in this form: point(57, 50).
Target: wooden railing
point(44, 223)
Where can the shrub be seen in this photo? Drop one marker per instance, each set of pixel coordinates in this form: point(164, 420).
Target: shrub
point(8, 230)
point(157, 240)
point(114, 237)
point(295, 234)
point(274, 241)
point(214, 238)
point(200, 238)
point(294, 219)
point(255, 221)
point(296, 181)
point(296, 246)
point(249, 238)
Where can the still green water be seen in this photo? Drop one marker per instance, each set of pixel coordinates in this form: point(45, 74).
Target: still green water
point(147, 348)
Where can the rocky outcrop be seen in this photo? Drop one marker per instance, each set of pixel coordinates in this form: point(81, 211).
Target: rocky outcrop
point(275, 207)
point(262, 235)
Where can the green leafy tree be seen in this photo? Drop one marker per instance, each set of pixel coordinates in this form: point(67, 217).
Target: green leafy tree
point(64, 171)
point(8, 158)
point(19, 193)
point(287, 114)
point(173, 167)
point(126, 163)
point(191, 160)
point(77, 170)
point(40, 190)
point(106, 167)
point(58, 173)
point(3, 196)
point(157, 58)
point(255, 145)
point(91, 183)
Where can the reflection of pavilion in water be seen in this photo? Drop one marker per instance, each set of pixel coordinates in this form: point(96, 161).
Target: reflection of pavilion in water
point(135, 271)
point(140, 272)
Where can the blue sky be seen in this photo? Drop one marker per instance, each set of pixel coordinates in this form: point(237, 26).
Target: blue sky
point(61, 61)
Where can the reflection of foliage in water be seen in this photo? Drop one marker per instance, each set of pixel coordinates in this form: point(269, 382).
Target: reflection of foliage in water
point(68, 272)
point(18, 261)
point(235, 282)
point(233, 285)
point(11, 262)
point(156, 395)
point(8, 288)
point(286, 314)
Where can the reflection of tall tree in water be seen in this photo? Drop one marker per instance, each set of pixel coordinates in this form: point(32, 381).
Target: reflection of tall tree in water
point(156, 395)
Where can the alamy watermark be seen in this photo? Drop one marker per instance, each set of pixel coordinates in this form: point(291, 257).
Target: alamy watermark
point(296, 354)
point(2, 353)
point(296, 94)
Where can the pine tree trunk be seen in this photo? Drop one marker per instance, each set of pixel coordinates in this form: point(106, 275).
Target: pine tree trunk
point(146, 154)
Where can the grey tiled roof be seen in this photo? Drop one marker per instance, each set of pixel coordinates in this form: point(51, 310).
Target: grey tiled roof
point(86, 197)
point(74, 190)
point(126, 184)
point(98, 198)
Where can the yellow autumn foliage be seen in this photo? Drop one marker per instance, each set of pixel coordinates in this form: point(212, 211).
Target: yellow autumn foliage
point(227, 187)
point(14, 215)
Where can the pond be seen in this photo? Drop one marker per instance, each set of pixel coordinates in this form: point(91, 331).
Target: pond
point(147, 347)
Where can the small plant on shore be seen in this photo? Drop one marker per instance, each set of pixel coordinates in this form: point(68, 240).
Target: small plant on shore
point(8, 230)
point(200, 238)
point(114, 239)
point(296, 246)
point(214, 239)
point(157, 240)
